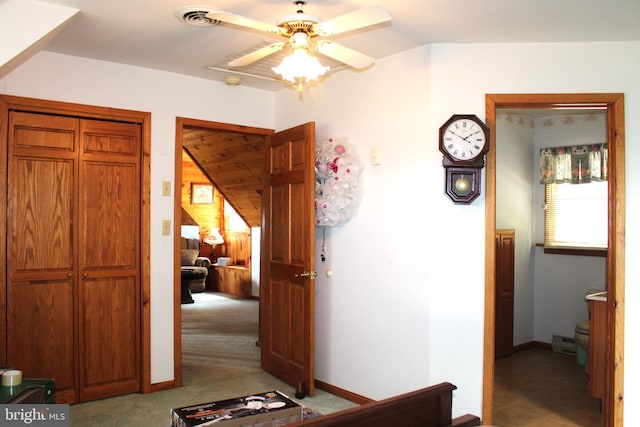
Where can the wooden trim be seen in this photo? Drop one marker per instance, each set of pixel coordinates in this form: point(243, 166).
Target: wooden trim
point(531, 345)
point(466, 420)
point(45, 106)
point(4, 133)
point(614, 102)
point(490, 270)
point(573, 251)
point(8, 102)
point(181, 124)
point(616, 266)
point(163, 386)
point(576, 251)
point(145, 253)
point(344, 394)
point(177, 221)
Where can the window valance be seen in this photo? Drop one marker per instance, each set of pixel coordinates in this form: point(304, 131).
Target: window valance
point(576, 164)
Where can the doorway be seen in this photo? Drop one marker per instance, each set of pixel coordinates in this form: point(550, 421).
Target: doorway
point(238, 177)
point(614, 105)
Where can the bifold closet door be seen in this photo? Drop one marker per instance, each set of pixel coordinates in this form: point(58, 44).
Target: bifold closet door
point(41, 212)
point(73, 254)
point(109, 248)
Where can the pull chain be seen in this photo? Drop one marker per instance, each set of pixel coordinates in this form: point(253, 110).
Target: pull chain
point(323, 258)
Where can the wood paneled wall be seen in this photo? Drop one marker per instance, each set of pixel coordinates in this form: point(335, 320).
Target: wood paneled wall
point(237, 245)
point(207, 216)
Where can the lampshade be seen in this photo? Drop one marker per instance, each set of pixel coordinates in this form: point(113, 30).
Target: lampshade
point(300, 64)
point(214, 238)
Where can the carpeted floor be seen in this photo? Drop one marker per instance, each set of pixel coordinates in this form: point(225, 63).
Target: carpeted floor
point(220, 360)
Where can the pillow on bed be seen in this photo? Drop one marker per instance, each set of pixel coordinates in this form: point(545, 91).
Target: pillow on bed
point(188, 256)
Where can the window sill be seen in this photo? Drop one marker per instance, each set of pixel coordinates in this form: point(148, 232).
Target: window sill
point(597, 252)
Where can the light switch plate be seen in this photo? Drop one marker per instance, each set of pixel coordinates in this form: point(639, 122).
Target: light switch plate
point(166, 188)
point(376, 156)
point(166, 227)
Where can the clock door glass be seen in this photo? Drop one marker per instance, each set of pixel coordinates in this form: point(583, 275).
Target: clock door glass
point(464, 139)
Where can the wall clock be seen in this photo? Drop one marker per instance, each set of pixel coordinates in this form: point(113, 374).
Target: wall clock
point(464, 140)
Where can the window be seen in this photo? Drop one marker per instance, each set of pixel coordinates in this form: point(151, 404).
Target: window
point(576, 216)
point(233, 221)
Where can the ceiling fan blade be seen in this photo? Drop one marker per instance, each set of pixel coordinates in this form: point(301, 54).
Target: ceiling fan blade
point(256, 54)
point(359, 18)
point(245, 22)
point(343, 54)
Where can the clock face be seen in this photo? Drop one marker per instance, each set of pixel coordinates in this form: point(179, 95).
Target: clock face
point(464, 139)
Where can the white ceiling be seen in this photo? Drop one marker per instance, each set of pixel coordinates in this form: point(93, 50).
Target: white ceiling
point(147, 34)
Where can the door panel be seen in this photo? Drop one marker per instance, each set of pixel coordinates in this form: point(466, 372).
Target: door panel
point(287, 298)
point(41, 240)
point(109, 355)
point(505, 264)
point(40, 246)
point(278, 342)
point(109, 210)
point(109, 250)
point(41, 336)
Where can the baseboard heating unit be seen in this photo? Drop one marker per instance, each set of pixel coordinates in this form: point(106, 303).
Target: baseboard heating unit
point(564, 345)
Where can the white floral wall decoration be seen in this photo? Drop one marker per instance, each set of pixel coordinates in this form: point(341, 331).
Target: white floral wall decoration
point(337, 176)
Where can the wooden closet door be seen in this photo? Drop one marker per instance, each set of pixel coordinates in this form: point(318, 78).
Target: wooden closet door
point(109, 253)
point(41, 208)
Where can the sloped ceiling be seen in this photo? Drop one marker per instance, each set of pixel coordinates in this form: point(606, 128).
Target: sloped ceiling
point(233, 162)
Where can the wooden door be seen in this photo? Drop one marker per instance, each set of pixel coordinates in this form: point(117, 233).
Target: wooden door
point(109, 248)
point(505, 264)
point(73, 254)
point(42, 168)
point(286, 295)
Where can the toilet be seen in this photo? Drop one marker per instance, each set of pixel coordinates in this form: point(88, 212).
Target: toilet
point(582, 342)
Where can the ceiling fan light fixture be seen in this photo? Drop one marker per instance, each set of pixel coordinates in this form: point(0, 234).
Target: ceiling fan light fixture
point(300, 65)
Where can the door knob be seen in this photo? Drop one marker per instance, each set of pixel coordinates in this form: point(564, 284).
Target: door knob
point(307, 274)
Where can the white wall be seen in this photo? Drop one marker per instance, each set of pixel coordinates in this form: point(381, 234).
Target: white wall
point(514, 210)
point(554, 68)
point(373, 315)
point(404, 306)
point(166, 96)
point(255, 261)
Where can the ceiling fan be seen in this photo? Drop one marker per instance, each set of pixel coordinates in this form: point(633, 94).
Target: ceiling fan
point(301, 30)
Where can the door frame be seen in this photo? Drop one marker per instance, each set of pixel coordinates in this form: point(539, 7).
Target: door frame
point(614, 103)
point(181, 123)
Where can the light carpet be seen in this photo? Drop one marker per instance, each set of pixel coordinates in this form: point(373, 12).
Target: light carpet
point(220, 360)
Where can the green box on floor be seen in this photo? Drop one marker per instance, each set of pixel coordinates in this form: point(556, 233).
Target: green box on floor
point(270, 409)
point(31, 391)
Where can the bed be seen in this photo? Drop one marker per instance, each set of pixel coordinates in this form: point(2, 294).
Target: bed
point(427, 407)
